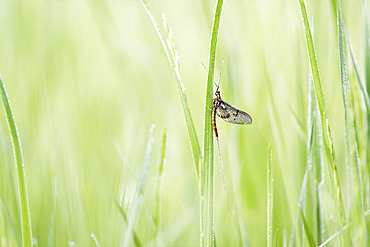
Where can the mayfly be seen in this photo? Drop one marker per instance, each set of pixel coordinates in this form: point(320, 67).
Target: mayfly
point(227, 112)
point(230, 114)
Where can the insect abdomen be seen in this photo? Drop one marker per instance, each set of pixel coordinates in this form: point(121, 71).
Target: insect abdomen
point(215, 105)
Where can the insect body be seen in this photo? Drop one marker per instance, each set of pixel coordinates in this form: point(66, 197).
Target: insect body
point(227, 112)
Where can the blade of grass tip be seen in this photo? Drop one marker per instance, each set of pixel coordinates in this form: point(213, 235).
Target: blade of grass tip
point(19, 166)
point(95, 239)
point(310, 238)
point(327, 139)
point(352, 154)
point(137, 201)
point(173, 59)
point(270, 198)
point(313, 62)
point(159, 184)
point(137, 241)
point(207, 236)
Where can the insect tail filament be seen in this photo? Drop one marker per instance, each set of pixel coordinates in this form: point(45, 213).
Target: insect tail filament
point(223, 177)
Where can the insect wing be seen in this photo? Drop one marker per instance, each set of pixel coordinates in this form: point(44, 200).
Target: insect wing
point(232, 114)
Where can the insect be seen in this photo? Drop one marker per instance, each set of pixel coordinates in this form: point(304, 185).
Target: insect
point(230, 114)
point(227, 112)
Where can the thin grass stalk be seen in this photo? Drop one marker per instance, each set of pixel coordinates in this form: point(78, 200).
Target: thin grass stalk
point(159, 185)
point(122, 211)
point(174, 61)
point(315, 158)
point(138, 199)
point(270, 199)
point(352, 153)
point(19, 167)
point(207, 235)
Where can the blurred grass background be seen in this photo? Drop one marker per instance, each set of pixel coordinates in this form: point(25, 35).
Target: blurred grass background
point(86, 77)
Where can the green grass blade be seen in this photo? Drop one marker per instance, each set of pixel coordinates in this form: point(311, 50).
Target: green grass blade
point(207, 174)
point(137, 201)
point(313, 62)
point(349, 111)
point(310, 238)
point(314, 159)
point(270, 198)
point(19, 166)
point(352, 152)
point(159, 183)
point(122, 211)
point(327, 138)
point(173, 59)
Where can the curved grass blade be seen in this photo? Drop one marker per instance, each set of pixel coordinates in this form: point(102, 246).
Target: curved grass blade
point(19, 166)
point(173, 59)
